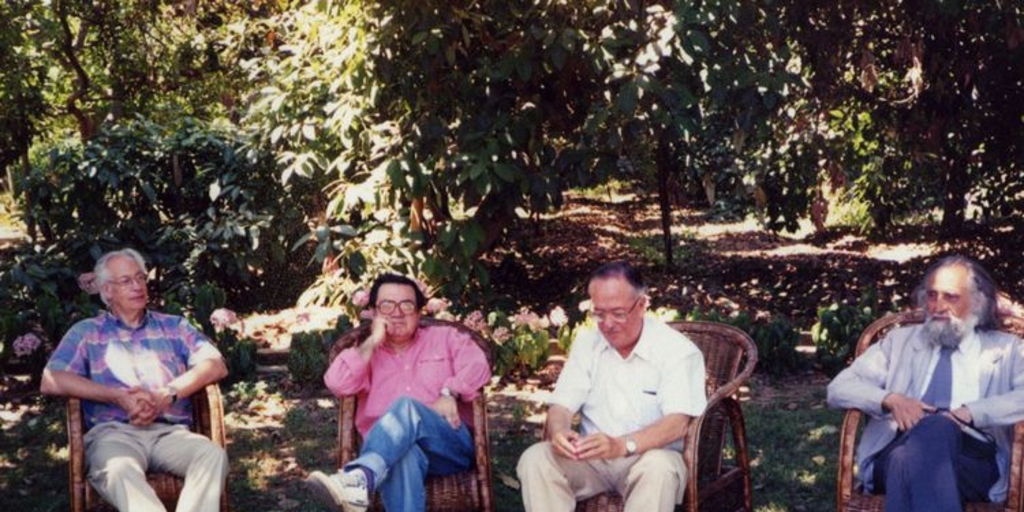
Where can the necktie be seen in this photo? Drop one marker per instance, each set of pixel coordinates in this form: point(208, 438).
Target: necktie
point(941, 386)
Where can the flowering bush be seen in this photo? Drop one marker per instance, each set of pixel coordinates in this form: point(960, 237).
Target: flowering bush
point(26, 344)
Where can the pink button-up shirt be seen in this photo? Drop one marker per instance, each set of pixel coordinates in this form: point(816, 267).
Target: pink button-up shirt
point(439, 357)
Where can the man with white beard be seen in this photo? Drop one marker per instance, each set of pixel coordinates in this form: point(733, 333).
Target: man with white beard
point(942, 397)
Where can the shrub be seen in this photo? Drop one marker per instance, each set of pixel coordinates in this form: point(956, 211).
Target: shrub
point(307, 358)
point(776, 342)
point(838, 328)
point(239, 356)
point(775, 338)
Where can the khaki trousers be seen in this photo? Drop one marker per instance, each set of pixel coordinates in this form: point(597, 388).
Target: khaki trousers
point(118, 456)
point(653, 481)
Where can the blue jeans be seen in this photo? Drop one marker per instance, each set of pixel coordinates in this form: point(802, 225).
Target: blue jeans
point(407, 444)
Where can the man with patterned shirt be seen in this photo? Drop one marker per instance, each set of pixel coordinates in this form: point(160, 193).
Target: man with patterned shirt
point(134, 370)
point(415, 386)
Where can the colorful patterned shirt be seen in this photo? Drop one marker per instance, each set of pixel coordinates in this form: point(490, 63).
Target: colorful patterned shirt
point(111, 353)
point(439, 357)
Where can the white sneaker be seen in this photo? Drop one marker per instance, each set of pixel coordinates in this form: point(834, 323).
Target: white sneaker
point(347, 490)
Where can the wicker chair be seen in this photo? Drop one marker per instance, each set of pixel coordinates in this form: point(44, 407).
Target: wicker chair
point(207, 419)
point(468, 491)
point(729, 358)
point(851, 499)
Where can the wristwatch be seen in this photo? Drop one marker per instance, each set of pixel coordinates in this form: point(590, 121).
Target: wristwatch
point(173, 393)
point(630, 446)
point(447, 392)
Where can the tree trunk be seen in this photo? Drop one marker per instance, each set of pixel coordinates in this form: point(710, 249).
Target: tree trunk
point(664, 165)
point(954, 196)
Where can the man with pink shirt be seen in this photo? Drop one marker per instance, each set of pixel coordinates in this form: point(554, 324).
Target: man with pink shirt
point(410, 382)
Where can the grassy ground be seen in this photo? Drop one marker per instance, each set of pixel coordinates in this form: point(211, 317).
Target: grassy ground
point(278, 434)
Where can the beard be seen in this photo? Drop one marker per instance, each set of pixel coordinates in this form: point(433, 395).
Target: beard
point(949, 333)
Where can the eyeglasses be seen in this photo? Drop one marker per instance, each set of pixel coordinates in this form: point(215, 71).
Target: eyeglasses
point(139, 279)
point(617, 315)
point(387, 307)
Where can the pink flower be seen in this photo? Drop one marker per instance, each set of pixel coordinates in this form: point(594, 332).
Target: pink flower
point(26, 344)
point(87, 282)
point(501, 335)
point(360, 298)
point(476, 321)
point(585, 306)
point(527, 318)
point(222, 318)
point(557, 317)
point(436, 305)
point(366, 314)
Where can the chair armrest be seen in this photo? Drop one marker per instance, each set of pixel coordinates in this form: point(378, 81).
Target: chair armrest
point(844, 466)
point(691, 448)
point(208, 414)
point(1015, 488)
point(348, 447)
point(76, 454)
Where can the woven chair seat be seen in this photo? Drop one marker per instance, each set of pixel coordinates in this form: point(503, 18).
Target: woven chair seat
point(849, 497)
point(462, 492)
point(730, 357)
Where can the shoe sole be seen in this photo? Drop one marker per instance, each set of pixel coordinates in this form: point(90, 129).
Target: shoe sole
point(322, 492)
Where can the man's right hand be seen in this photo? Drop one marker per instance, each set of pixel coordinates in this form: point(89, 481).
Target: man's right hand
point(378, 332)
point(905, 410)
point(564, 444)
point(140, 405)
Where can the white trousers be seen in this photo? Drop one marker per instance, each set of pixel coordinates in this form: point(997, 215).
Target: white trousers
point(652, 482)
point(118, 456)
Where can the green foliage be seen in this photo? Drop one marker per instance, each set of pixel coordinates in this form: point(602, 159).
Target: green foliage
point(838, 328)
point(687, 250)
point(776, 338)
point(239, 356)
point(191, 197)
point(307, 358)
point(776, 343)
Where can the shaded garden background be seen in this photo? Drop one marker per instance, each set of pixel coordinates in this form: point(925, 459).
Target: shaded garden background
point(788, 167)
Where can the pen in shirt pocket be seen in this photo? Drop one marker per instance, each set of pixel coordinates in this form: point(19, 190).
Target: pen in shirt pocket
point(650, 392)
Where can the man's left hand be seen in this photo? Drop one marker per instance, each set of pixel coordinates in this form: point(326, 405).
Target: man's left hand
point(448, 408)
point(599, 446)
point(964, 414)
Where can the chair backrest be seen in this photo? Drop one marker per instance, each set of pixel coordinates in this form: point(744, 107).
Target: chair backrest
point(879, 328)
point(730, 357)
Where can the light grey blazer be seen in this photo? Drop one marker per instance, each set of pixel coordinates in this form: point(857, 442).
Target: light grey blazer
point(899, 364)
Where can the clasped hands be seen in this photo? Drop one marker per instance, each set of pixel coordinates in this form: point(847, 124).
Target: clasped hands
point(571, 445)
point(142, 405)
point(908, 411)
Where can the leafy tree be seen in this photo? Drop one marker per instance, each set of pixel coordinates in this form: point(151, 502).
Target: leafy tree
point(918, 105)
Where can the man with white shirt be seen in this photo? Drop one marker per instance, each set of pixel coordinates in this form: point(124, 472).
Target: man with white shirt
point(636, 384)
point(942, 397)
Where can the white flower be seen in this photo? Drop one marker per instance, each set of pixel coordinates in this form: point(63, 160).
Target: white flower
point(557, 317)
point(222, 318)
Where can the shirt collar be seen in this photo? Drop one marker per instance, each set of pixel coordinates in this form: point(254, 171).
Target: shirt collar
point(642, 349)
point(110, 317)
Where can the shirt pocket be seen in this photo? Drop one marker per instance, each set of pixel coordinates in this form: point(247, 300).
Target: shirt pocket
point(432, 370)
point(648, 401)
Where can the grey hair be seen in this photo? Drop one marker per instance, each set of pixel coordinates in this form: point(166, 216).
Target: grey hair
point(103, 274)
point(984, 292)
